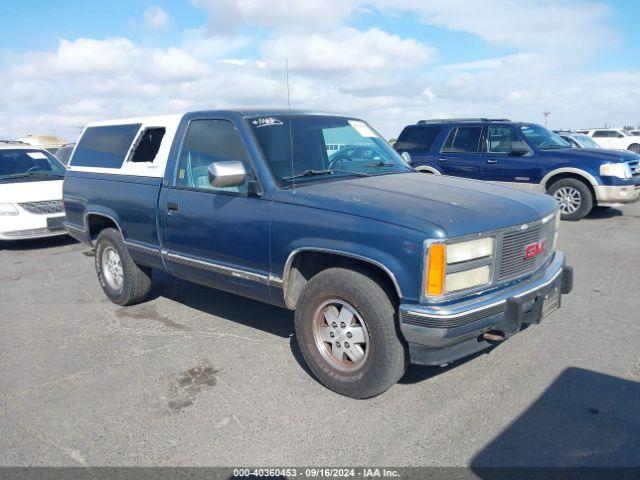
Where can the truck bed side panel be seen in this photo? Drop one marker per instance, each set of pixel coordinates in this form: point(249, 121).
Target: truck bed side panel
point(131, 202)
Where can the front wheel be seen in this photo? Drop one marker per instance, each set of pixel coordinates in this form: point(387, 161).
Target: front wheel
point(635, 148)
point(347, 332)
point(574, 198)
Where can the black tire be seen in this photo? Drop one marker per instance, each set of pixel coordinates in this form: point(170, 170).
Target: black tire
point(386, 359)
point(635, 147)
point(585, 197)
point(136, 280)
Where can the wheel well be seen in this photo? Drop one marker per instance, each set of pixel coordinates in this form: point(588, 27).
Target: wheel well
point(307, 264)
point(575, 176)
point(424, 169)
point(96, 223)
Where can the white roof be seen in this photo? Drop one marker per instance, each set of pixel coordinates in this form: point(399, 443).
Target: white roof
point(18, 146)
point(156, 120)
point(154, 169)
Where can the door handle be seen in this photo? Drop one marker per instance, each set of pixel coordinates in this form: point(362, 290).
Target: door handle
point(492, 160)
point(442, 159)
point(172, 207)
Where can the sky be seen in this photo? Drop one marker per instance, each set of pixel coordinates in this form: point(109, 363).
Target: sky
point(392, 62)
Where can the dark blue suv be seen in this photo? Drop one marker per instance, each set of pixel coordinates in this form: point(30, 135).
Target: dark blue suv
point(523, 155)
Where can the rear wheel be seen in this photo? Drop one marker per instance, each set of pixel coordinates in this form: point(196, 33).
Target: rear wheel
point(124, 282)
point(574, 198)
point(635, 148)
point(347, 332)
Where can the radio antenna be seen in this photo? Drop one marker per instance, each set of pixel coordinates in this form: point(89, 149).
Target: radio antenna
point(293, 174)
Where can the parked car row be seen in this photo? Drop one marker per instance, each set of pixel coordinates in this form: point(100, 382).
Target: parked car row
point(526, 156)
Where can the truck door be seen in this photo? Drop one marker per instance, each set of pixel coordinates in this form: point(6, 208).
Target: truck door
point(461, 153)
point(215, 236)
point(508, 158)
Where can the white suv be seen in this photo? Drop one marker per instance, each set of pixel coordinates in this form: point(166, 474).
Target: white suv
point(30, 193)
point(614, 138)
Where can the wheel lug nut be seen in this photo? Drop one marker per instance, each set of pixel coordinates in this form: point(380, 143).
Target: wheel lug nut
point(349, 335)
point(338, 344)
point(346, 344)
point(334, 325)
point(332, 334)
point(342, 324)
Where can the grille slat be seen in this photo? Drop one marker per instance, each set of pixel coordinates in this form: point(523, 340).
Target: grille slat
point(43, 208)
point(512, 261)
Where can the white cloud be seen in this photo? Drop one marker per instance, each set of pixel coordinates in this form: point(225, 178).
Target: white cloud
point(346, 49)
point(531, 25)
point(155, 17)
point(225, 15)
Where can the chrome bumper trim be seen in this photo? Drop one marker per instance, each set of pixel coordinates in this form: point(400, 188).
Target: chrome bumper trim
point(616, 195)
point(482, 311)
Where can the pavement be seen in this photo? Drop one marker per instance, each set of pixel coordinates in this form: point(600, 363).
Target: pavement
point(196, 377)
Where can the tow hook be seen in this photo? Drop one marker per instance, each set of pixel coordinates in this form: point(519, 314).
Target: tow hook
point(493, 336)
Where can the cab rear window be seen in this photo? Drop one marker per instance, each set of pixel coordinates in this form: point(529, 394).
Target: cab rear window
point(417, 139)
point(104, 147)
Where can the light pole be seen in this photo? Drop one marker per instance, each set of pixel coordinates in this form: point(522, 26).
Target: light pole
point(546, 117)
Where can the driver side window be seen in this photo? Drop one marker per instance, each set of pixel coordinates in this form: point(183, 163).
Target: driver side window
point(209, 141)
point(504, 140)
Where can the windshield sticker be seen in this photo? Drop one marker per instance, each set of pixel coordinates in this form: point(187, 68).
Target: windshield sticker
point(266, 122)
point(362, 128)
point(37, 155)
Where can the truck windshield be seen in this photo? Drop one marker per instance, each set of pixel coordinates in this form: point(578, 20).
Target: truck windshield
point(542, 138)
point(323, 147)
point(29, 164)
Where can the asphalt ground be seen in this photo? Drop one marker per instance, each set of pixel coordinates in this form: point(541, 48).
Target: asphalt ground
point(196, 377)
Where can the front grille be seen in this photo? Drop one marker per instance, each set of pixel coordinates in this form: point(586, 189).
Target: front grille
point(513, 262)
point(44, 208)
point(32, 233)
point(634, 165)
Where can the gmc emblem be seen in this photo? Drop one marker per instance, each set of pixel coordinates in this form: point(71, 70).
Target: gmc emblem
point(534, 249)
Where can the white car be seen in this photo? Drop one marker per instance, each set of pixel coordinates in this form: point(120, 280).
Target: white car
point(614, 138)
point(30, 193)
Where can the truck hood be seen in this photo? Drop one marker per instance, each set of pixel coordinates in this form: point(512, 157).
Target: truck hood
point(20, 192)
point(426, 202)
point(604, 154)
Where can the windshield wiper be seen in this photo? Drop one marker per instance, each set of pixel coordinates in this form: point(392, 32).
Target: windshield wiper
point(31, 174)
point(380, 164)
point(314, 173)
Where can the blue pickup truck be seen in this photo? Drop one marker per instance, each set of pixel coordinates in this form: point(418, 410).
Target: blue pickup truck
point(525, 156)
point(317, 213)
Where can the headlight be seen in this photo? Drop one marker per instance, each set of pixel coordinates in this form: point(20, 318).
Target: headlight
point(464, 251)
point(620, 170)
point(446, 271)
point(8, 209)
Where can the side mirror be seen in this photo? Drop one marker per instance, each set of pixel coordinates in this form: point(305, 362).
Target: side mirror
point(406, 157)
point(227, 174)
point(620, 135)
point(518, 149)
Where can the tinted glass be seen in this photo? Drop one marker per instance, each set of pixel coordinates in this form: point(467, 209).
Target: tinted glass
point(331, 147)
point(504, 140)
point(64, 154)
point(600, 133)
point(209, 141)
point(463, 140)
point(542, 138)
point(25, 164)
point(417, 139)
point(105, 147)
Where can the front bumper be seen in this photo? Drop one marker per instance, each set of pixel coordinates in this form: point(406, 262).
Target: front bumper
point(442, 334)
point(612, 195)
point(25, 226)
